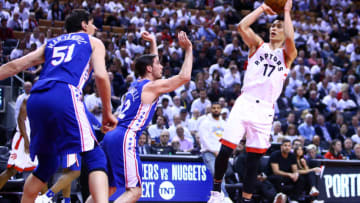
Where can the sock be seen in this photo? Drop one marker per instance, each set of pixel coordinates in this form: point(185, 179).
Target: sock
point(50, 193)
point(217, 185)
point(67, 199)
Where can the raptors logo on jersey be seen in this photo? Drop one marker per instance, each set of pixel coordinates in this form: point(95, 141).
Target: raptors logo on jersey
point(265, 74)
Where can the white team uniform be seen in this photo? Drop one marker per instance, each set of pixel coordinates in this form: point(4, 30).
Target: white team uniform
point(18, 159)
point(253, 112)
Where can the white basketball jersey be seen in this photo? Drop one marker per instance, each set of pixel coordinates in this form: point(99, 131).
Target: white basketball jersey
point(265, 74)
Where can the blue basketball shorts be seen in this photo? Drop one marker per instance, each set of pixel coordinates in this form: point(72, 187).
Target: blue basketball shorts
point(124, 165)
point(58, 121)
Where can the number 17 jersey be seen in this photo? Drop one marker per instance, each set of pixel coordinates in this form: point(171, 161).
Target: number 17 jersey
point(67, 60)
point(265, 73)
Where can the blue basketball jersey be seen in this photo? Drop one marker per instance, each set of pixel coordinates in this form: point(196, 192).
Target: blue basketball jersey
point(67, 60)
point(135, 115)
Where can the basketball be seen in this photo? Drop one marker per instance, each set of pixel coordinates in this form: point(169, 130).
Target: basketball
point(276, 5)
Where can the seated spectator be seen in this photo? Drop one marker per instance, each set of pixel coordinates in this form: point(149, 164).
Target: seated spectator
point(276, 132)
point(331, 101)
point(343, 133)
point(299, 102)
point(15, 22)
point(201, 103)
point(352, 130)
point(185, 144)
point(334, 151)
point(356, 154)
point(323, 129)
point(306, 129)
point(311, 154)
point(156, 129)
point(143, 146)
point(283, 171)
point(348, 152)
point(5, 32)
point(163, 147)
point(291, 133)
point(356, 137)
point(345, 103)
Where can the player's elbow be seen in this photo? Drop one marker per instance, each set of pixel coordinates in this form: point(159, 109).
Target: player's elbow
point(241, 27)
point(185, 78)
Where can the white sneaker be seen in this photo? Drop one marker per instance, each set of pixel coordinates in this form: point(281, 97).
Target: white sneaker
point(318, 201)
point(280, 198)
point(216, 197)
point(227, 200)
point(314, 192)
point(43, 199)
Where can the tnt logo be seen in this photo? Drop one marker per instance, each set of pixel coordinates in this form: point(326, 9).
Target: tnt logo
point(167, 190)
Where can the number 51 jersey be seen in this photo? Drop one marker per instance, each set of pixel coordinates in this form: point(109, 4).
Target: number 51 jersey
point(265, 73)
point(67, 60)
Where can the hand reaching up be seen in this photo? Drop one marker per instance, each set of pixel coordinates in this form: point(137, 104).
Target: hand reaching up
point(184, 41)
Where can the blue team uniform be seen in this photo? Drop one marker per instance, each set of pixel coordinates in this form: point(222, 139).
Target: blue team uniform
point(57, 114)
point(119, 145)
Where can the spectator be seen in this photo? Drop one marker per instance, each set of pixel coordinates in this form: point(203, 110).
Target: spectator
point(211, 130)
point(345, 103)
point(299, 102)
point(334, 151)
point(307, 175)
point(163, 147)
point(5, 32)
point(306, 129)
point(291, 133)
point(283, 171)
point(356, 154)
point(348, 152)
point(356, 137)
point(143, 146)
point(323, 129)
point(15, 23)
point(352, 130)
point(201, 103)
point(231, 77)
point(156, 129)
point(30, 24)
point(185, 144)
point(331, 101)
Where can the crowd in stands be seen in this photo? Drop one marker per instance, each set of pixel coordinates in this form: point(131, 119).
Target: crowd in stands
point(319, 106)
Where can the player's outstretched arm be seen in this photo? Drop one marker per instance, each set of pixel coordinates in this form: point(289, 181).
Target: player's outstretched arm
point(102, 81)
point(251, 39)
point(290, 48)
point(150, 38)
point(153, 89)
point(13, 67)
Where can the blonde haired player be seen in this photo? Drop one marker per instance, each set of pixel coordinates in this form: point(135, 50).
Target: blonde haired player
point(268, 66)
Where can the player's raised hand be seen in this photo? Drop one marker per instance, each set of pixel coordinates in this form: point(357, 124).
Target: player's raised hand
point(184, 41)
point(267, 9)
point(288, 6)
point(148, 37)
point(109, 122)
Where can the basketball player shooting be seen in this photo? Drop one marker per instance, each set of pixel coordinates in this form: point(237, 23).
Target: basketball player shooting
point(268, 66)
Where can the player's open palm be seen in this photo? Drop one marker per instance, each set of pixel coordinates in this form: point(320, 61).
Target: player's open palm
point(184, 41)
point(148, 37)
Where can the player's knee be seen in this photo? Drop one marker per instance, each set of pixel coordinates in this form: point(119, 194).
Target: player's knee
point(136, 192)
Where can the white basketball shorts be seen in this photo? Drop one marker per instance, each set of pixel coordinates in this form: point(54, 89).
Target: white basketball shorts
point(18, 159)
point(251, 117)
